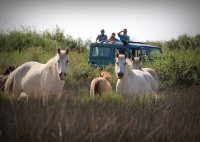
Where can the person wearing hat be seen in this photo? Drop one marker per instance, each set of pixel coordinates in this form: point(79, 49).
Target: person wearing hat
point(124, 37)
point(101, 37)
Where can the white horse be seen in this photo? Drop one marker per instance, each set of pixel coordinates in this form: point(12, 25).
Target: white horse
point(130, 82)
point(137, 61)
point(39, 81)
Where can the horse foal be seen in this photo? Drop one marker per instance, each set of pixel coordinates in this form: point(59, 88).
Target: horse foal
point(101, 84)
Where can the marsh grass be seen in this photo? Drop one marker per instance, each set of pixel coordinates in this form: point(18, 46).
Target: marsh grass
point(173, 117)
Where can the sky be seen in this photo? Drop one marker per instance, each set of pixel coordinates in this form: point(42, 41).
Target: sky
point(152, 20)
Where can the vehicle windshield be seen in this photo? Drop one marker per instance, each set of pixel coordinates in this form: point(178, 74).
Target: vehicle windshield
point(155, 52)
point(101, 51)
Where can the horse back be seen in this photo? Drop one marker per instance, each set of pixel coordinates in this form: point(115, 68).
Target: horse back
point(99, 86)
point(21, 77)
point(152, 72)
point(152, 78)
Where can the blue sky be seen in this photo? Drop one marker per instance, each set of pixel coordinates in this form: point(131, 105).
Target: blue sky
point(144, 19)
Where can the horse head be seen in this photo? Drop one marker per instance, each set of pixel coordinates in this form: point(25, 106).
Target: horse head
point(106, 75)
point(137, 62)
point(9, 69)
point(120, 65)
point(62, 63)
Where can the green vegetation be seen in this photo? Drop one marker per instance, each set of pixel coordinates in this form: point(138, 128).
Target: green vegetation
point(178, 68)
point(180, 62)
point(174, 116)
point(24, 38)
point(179, 65)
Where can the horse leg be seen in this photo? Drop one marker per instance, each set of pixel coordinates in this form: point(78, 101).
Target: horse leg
point(91, 92)
point(45, 94)
point(92, 89)
point(59, 96)
point(157, 96)
point(45, 98)
point(23, 98)
point(60, 93)
point(17, 89)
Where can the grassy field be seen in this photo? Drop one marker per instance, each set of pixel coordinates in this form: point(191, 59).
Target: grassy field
point(174, 116)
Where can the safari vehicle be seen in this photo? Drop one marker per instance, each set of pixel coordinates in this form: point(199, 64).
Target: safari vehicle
point(104, 53)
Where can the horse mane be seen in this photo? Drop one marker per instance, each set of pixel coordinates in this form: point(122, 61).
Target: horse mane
point(129, 63)
point(51, 62)
point(51, 65)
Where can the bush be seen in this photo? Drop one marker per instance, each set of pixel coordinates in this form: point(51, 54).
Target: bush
point(24, 38)
point(178, 68)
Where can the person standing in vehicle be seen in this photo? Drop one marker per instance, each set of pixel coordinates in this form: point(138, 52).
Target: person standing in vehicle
point(101, 37)
point(124, 37)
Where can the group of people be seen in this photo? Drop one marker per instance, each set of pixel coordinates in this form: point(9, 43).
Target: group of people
point(122, 37)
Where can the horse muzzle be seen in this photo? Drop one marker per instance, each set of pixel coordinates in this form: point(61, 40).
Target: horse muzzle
point(120, 75)
point(62, 76)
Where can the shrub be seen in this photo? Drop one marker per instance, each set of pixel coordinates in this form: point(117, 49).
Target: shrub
point(178, 68)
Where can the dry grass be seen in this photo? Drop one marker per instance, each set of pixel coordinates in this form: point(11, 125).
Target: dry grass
point(175, 116)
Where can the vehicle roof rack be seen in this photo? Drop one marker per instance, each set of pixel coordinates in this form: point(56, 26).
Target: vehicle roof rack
point(137, 42)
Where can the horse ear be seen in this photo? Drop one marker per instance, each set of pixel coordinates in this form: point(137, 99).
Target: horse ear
point(126, 55)
point(101, 74)
point(133, 58)
point(140, 59)
point(67, 50)
point(58, 50)
point(117, 54)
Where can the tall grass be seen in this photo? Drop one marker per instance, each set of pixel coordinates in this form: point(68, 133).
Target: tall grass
point(174, 117)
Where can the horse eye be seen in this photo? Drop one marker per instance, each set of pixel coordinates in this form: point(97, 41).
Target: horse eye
point(67, 61)
point(117, 63)
point(125, 63)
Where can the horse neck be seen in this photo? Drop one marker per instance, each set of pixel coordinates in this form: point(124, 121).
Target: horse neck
point(51, 66)
point(136, 66)
point(127, 74)
point(106, 78)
